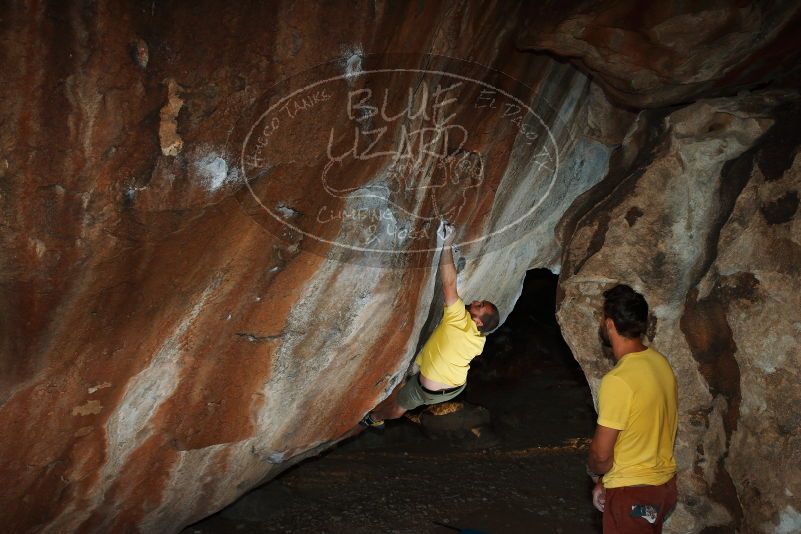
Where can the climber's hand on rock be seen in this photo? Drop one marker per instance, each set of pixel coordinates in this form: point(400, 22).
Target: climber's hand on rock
point(445, 233)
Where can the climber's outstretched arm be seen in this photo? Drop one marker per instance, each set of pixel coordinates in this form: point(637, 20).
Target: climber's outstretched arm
point(447, 269)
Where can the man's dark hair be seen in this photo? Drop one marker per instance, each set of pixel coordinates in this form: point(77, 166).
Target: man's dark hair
point(490, 320)
point(627, 309)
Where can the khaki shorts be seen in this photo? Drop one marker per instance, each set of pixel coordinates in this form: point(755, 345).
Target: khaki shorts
point(413, 395)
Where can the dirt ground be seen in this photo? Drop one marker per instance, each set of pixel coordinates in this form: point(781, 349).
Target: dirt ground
point(510, 461)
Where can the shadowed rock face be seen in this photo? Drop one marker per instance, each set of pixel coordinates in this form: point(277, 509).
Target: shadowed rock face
point(166, 346)
point(685, 223)
point(162, 351)
point(661, 53)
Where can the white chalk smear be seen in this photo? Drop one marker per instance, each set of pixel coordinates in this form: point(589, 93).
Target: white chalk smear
point(789, 521)
point(286, 211)
point(214, 171)
point(352, 59)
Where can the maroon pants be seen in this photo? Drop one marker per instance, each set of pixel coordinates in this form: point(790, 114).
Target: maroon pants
point(635, 509)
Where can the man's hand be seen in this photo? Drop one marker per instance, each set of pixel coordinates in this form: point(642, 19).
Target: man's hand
point(599, 496)
point(445, 234)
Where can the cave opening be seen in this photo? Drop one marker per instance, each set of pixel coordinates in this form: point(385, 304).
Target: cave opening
point(506, 456)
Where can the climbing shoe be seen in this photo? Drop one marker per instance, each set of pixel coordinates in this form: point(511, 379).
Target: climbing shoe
point(368, 422)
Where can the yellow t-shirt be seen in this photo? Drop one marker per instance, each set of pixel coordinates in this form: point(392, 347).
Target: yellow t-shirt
point(639, 398)
point(446, 356)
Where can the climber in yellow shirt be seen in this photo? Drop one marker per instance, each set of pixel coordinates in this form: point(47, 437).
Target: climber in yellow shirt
point(445, 358)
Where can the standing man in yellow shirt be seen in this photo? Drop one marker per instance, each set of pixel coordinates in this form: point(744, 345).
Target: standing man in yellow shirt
point(445, 358)
point(632, 450)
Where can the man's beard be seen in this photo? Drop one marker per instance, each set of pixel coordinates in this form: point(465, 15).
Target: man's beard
point(604, 335)
point(606, 343)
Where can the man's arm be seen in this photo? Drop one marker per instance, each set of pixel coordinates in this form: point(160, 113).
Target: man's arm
point(602, 449)
point(447, 269)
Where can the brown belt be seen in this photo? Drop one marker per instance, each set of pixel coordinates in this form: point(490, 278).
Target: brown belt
point(439, 392)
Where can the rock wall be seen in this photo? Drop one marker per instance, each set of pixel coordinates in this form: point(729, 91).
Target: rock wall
point(663, 53)
point(163, 348)
point(702, 217)
point(166, 346)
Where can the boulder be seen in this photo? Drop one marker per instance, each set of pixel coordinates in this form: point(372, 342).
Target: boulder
point(656, 54)
point(704, 221)
point(166, 345)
